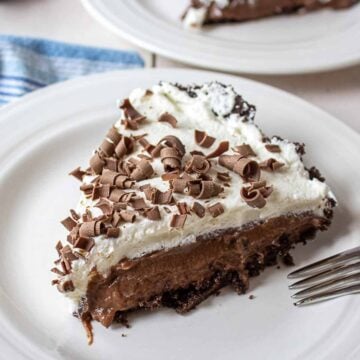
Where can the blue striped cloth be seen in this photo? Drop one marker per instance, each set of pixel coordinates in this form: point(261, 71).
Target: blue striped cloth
point(27, 64)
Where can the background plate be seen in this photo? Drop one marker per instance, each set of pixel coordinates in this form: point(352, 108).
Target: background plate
point(317, 41)
point(51, 131)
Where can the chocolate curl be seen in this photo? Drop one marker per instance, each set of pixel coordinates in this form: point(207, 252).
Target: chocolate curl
point(97, 163)
point(168, 118)
point(143, 170)
point(216, 210)
point(130, 112)
point(255, 195)
point(146, 145)
point(127, 216)
point(209, 189)
point(113, 232)
point(173, 142)
point(198, 164)
point(198, 209)
point(125, 146)
point(116, 179)
point(111, 163)
point(229, 161)
point(161, 198)
point(84, 243)
point(244, 150)
point(271, 165)
point(69, 223)
point(222, 147)
point(170, 158)
point(156, 151)
point(203, 140)
point(194, 188)
point(105, 206)
point(107, 147)
point(178, 185)
point(178, 221)
point(170, 175)
point(114, 136)
point(91, 229)
point(153, 214)
point(247, 169)
point(78, 173)
point(117, 195)
point(273, 148)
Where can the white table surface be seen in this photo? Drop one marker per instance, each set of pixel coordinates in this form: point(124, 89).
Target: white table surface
point(337, 92)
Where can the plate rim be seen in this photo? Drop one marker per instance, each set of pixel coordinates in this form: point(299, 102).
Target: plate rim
point(82, 81)
point(93, 8)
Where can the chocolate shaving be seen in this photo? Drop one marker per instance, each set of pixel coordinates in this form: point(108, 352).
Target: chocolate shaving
point(137, 203)
point(170, 175)
point(271, 165)
point(161, 198)
point(143, 170)
point(84, 243)
point(216, 209)
point(57, 271)
point(113, 135)
point(255, 195)
point(183, 208)
point(198, 164)
point(153, 213)
point(113, 232)
point(97, 163)
point(69, 223)
point(74, 215)
point(223, 176)
point(198, 209)
point(125, 146)
point(78, 173)
point(273, 148)
point(203, 140)
point(178, 221)
point(168, 118)
point(66, 286)
point(117, 195)
point(222, 147)
point(245, 150)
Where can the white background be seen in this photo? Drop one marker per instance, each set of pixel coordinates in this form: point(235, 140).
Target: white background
point(337, 92)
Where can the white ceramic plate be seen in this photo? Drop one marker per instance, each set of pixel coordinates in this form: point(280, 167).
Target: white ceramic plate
point(317, 41)
point(51, 131)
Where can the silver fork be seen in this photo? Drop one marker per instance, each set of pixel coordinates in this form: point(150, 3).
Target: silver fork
point(327, 279)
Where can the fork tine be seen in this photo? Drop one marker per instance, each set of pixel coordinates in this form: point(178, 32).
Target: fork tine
point(338, 270)
point(324, 264)
point(328, 295)
point(333, 284)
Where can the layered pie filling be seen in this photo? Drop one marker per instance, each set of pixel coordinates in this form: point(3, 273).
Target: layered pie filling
point(184, 195)
point(202, 12)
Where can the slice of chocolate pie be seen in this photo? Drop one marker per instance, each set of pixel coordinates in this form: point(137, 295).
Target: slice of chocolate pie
point(184, 195)
point(201, 12)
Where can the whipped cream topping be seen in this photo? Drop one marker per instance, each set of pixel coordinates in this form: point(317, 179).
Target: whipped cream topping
point(208, 108)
